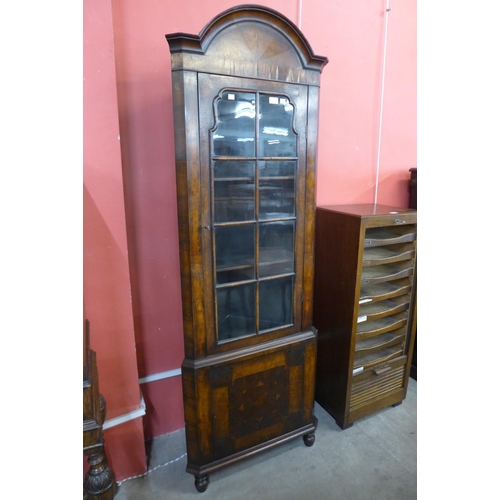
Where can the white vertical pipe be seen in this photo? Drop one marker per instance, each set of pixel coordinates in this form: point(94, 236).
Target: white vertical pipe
point(386, 23)
point(300, 15)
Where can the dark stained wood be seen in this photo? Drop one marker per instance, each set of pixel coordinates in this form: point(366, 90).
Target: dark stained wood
point(364, 307)
point(413, 204)
point(413, 188)
point(257, 42)
point(246, 394)
point(99, 482)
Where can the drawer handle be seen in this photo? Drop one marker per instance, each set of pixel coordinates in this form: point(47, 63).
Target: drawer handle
point(381, 371)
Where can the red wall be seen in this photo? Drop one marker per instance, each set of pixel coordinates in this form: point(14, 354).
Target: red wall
point(349, 32)
point(106, 280)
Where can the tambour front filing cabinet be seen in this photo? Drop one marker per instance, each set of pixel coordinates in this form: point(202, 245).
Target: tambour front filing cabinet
point(364, 307)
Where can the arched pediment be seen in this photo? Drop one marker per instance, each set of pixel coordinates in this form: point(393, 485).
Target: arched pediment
point(251, 34)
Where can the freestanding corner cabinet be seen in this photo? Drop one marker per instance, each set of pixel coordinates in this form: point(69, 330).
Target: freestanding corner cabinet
point(245, 94)
point(364, 307)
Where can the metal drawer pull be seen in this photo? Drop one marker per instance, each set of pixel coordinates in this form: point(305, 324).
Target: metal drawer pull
point(381, 371)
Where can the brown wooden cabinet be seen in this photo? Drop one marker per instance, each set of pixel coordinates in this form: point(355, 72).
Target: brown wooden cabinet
point(364, 296)
point(245, 95)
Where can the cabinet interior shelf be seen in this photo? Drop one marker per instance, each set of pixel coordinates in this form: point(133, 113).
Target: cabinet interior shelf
point(373, 359)
point(251, 179)
point(385, 235)
point(380, 341)
point(383, 308)
point(385, 255)
point(382, 325)
point(386, 272)
point(384, 290)
point(253, 158)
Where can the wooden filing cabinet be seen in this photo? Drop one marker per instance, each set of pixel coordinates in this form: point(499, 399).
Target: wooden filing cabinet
point(364, 296)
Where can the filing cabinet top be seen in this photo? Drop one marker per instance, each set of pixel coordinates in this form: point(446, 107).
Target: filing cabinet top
point(368, 209)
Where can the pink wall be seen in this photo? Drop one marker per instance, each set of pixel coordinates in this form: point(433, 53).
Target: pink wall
point(108, 305)
point(350, 33)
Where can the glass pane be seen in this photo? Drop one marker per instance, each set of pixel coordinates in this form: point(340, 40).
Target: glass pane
point(276, 248)
point(277, 189)
point(235, 131)
point(235, 253)
point(231, 169)
point(234, 201)
point(276, 198)
point(276, 135)
point(277, 168)
point(275, 303)
point(236, 311)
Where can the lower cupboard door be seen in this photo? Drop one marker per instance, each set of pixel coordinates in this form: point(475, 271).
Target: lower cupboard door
point(259, 399)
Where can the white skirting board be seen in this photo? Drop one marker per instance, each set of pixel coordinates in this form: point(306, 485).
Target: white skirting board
point(141, 410)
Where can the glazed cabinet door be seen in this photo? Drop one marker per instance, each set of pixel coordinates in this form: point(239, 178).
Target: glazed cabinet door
point(252, 171)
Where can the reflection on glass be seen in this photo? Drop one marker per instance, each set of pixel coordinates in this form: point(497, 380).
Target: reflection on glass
point(275, 303)
point(276, 248)
point(276, 135)
point(236, 311)
point(231, 169)
point(276, 189)
point(235, 132)
point(277, 198)
point(253, 180)
point(235, 253)
point(277, 168)
point(234, 201)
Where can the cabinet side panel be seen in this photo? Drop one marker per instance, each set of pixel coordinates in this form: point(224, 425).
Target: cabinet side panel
point(310, 207)
point(182, 208)
point(337, 249)
point(310, 379)
point(188, 201)
point(190, 417)
point(197, 411)
point(412, 329)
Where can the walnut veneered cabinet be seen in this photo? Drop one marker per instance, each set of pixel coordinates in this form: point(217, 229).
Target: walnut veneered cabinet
point(364, 307)
point(245, 95)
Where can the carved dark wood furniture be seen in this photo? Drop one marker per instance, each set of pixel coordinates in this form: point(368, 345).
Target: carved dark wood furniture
point(364, 307)
point(245, 95)
point(99, 482)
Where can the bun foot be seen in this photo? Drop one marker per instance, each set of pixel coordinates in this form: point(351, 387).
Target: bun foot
point(309, 439)
point(201, 483)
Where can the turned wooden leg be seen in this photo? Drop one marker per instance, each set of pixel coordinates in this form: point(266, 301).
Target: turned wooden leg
point(99, 483)
point(201, 482)
point(309, 439)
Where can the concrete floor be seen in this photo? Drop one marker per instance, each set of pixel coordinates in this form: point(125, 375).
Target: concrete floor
point(375, 459)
